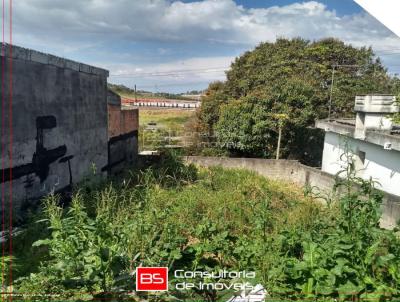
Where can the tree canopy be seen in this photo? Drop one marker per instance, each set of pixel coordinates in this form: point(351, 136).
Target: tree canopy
point(291, 77)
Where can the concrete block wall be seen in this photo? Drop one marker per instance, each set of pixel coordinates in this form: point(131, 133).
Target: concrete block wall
point(59, 123)
point(25, 54)
point(298, 174)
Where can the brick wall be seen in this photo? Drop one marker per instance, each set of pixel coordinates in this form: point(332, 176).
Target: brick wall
point(129, 120)
point(122, 121)
point(114, 117)
point(123, 125)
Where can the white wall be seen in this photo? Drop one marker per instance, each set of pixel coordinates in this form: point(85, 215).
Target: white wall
point(382, 165)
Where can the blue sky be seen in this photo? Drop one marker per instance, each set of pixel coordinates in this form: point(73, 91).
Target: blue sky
point(342, 7)
point(175, 46)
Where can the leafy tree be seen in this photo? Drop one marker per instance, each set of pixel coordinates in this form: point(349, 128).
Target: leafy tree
point(214, 97)
point(292, 77)
point(237, 130)
point(254, 132)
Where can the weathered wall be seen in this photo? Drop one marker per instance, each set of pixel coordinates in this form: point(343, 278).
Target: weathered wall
point(114, 120)
point(59, 123)
point(293, 171)
point(123, 125)
point(129, 119)
point(380, 164)
point(121, 120)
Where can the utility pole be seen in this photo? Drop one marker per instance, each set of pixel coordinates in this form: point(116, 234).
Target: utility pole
point(135, 95)
point(278, 148)
point(332, 82)
point(330, 95)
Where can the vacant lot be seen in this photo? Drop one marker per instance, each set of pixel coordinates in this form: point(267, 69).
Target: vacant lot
point(189, 218)
point(160, 127)
point(172, 216)
point(166, 118)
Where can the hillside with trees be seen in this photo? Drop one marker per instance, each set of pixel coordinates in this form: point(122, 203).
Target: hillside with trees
point(288, 85)
point(125, 91)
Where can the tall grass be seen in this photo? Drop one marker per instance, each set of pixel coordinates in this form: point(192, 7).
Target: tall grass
point(209, 219)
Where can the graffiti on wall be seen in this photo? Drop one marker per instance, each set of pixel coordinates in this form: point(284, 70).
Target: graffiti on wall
point(42, 157)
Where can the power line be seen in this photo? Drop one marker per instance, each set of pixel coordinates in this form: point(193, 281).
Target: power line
point(173, 84)
point(390, 54)
point(172, 72)
point(386, 49)
point(168, 74)
point(178, 72)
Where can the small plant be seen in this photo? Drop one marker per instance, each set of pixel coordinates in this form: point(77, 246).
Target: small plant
point(5, 262)
point(209, 220)
point(351, 259)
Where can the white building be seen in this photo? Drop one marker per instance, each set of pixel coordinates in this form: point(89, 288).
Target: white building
point(372, 140)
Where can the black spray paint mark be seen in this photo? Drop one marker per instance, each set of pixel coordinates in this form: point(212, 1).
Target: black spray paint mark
point(68, 159)
point(122, 137)
point(42, 157)
point(112, 141)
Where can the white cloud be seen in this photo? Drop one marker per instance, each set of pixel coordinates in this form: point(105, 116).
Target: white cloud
point(208, 20)
point(67, 27)
point(173, 74)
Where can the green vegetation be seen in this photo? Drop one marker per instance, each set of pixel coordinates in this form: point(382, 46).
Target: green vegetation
point(166, 118)
point(292, 77)
point(160, 127)
point(396, 117)
point(209, 219)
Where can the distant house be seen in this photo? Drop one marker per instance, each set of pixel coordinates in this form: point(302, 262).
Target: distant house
point(372, 140)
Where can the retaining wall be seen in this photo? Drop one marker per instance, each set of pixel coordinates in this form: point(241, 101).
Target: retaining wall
point(293, 171)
